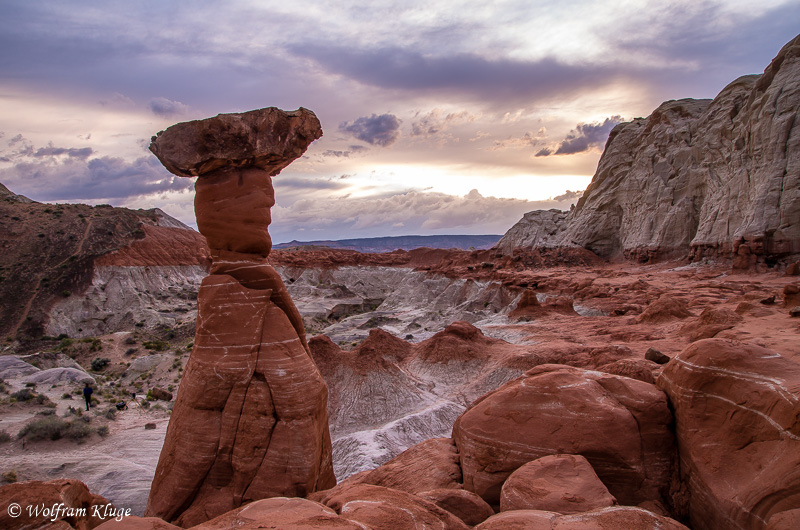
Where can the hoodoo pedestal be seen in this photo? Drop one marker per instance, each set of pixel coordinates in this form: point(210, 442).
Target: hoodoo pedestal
point(250, 420)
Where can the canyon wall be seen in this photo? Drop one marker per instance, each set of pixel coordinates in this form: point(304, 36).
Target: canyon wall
point(697, 178)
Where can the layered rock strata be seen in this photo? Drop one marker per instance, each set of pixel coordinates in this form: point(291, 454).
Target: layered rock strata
point(250, 420)
point(697, 177)
point(737, 417)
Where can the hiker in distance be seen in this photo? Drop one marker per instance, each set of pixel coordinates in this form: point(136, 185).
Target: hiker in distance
point(87, 395)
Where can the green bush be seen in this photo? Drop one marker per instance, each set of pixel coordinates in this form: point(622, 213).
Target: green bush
point(52, 427)
point(157, 345)
point(41, 399)
point(78, 430)
point(23, 395)
point(44, 428)
point(94, 343)
point(99, 363)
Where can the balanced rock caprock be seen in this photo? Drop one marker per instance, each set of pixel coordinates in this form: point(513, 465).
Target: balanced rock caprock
point(250, 420)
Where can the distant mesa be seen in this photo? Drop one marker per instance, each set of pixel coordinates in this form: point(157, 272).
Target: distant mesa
point(390, 243)
point(697, 178)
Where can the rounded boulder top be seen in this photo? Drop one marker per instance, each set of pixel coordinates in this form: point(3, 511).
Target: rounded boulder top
point(268, 139)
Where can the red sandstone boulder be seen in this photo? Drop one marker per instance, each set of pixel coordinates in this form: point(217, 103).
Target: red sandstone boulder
point(710, 322)
point(268, 139)
point(640, 369)
point(161, 394)
point(614, 518)
point(464, 504)
point(665, 309)
point(788, 520)
point(619, 424)
point(753, 310)
point(529, 308)
point(429, 465)
point(558, 483)
point(76, 506)
point(138, 523)
point(791, 295)
point(387, 508)
point(280, 513)
point(737, 415)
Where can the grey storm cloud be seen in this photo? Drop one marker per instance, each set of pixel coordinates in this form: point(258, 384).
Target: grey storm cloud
point(398, 68)
point(72, 152)
point(352, 150)
point(51, 177)
point(585, 136)
point(166, 107)
point(380, 130)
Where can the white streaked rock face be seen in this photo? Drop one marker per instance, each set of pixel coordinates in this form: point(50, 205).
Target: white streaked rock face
point(120, 297)
point(400, 300)
point(697, 177)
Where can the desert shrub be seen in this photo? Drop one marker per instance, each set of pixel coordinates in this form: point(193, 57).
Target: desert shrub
point(10, 476)
point(111, 414)
point(65, 343)
point(4, 437)
point(41, 399)
point(77, 430)
point(102, 431)
point(130, 351)
point(99, 363)
point(30, 385)
point(66, 395)
point(130, 340)
point(43, 428)
point(94, 343)
point(156, 345)
point(23, 395)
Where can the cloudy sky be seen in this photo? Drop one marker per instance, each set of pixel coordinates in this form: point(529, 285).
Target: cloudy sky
point(439, 117)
